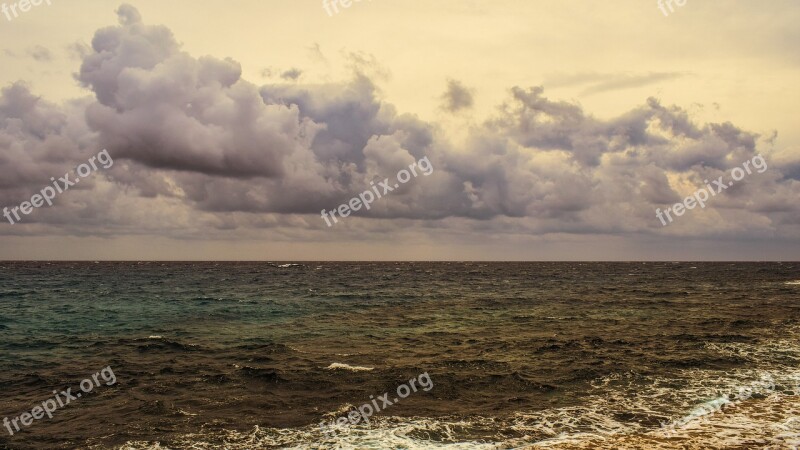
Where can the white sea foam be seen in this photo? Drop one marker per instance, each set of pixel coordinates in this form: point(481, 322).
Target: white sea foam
point(622, 412)
point(772, 421)
point(384, 433)
point(340, 366)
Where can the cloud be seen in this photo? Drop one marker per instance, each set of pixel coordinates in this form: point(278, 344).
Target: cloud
point(201, 151)
point(292, 74)
point(79, 50)
point(40, 53)
point(457, 97)
point(316, 55)
point(163, 108)
point(599, 82)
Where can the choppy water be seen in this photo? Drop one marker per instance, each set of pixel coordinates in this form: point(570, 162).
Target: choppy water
point(522, 355)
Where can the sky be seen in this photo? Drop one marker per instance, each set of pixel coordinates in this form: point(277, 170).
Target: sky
point(536, 130)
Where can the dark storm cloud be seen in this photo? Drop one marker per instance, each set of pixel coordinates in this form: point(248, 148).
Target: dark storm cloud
point(201, 149)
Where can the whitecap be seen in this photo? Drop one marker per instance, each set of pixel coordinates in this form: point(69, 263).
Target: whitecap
point(340, 366)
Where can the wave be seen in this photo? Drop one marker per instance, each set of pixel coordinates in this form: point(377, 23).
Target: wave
point(385, 433)
point(340, 366)
point(773, 423)
point(773, 420)
point(693, 409)
point(269, 375)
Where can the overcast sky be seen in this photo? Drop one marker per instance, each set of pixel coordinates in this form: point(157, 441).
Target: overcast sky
point(555, 129)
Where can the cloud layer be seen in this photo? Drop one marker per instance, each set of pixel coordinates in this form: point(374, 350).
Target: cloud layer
point(199, 150)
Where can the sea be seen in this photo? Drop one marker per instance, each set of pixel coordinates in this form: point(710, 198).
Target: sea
point(520, 355)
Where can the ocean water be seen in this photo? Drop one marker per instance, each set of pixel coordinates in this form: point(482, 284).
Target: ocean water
point(520, 355)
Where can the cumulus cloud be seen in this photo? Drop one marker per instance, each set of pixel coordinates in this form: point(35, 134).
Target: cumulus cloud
point(207, 151)
point(159, 106)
